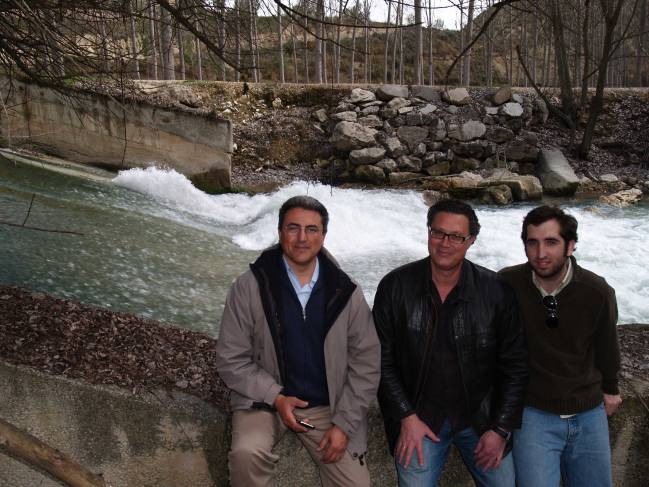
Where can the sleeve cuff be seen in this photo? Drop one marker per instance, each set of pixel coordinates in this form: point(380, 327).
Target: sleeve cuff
point(272, 394)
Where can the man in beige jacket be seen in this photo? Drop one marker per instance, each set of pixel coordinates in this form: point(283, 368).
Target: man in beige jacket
point(299, 350)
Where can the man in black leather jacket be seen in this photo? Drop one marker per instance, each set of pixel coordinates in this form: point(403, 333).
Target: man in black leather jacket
point(453, 357)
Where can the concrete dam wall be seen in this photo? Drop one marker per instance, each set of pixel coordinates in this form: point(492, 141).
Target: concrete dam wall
point(101, 130)
point(170, 439)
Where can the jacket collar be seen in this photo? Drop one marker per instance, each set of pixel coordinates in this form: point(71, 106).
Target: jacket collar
point(466, 287)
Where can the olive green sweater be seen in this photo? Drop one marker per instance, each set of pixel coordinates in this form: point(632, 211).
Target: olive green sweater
point(573, 364)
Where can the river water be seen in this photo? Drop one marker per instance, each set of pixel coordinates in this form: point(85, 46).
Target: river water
point(156, 246)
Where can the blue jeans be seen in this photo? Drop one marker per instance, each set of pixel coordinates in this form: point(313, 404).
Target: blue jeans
point(548, 448)
point(435, 455)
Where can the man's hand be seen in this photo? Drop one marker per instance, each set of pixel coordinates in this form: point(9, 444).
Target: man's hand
point(333, 444)
point(489, 451)
point(411, 438)
point(611, 403)
point(285, 406)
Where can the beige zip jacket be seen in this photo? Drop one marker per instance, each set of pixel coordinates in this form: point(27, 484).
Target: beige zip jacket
point(247, 361)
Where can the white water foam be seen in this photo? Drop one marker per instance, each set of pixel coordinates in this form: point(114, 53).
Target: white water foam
point(373, 231)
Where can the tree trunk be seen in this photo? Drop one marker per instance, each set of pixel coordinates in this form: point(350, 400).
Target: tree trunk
point(167, 45)
point(281, 44)
point(318, 41)
point(418, 44)
point(611, 16)
point(295, 72)
point(469, 35)
point(562, 66)
point(431, 67)
point(33, 451)
point(642, 19)
point(366, 62)
point(153, 65)
point(337, 49)
point(351, 64)
point(256, 39)
point(199, 60)
point(136, 62)
point(237, 40)
point(306, 52)
point(221, 24)
point(253, 58)
point(386, 44)
point(181, 52)
point(585, 34)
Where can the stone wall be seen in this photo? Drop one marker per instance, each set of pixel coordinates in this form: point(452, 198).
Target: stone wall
point(478, 144)
point(99, 130)
point(169, 439)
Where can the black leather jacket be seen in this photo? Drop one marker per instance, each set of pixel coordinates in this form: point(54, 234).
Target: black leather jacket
point(489, 339)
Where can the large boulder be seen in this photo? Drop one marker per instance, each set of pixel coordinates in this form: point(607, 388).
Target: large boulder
point(555, 173)
point(457, 96)
point(499, 134)
point(388, 92)
point(369, 174)
point(523, 188)
point(467, 131)
point(398, 103)
point(438, 129)
point(425, 93)
point(438, 168)
point(511, 109)
point(503, 95)
point(397, 178)
point(500, 194)
point(479, 149)
point(370, 155)
point(321, 115)
point(349, 116)
point(371, 121)
point(371, 110)
point(348, 136)
point(623, 198)
point(522, 151)
point(465, 185)
point(395, 147)
point(409, 163)
point(359, 95)
point(388, 165)
point(412, 135)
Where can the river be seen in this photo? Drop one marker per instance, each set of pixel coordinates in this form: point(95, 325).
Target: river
point(154, 245)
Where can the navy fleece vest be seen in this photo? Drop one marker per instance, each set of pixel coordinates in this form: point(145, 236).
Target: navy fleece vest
point(303, 340)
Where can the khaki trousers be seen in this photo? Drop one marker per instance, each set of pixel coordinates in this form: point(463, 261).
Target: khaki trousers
point(254, 434)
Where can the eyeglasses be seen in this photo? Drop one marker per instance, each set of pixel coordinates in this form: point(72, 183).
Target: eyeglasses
point(294, 229)
point(452, 237)
point(552, 319)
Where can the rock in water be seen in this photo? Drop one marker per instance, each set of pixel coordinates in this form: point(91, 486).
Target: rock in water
point(555, 173)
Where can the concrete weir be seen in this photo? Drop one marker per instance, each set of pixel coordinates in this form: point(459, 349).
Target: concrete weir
point(101, 130)
point(169, 439)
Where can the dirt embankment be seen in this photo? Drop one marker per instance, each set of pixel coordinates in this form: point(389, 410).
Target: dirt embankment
point(63, 337)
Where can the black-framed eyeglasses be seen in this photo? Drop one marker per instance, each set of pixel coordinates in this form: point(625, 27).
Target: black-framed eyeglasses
point(294, 229)
point(452, 237)
point(552, 319)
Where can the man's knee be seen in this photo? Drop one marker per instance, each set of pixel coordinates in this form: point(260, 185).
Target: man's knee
point(244, 454)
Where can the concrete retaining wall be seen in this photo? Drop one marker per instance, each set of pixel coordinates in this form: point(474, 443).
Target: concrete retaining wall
point(175, 440)
point(98, 130)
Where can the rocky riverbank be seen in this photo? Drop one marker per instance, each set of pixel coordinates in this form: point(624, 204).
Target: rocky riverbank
point(284, 133)
point(63, 337)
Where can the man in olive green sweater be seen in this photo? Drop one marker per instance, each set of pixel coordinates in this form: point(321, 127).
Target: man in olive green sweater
point(570, 317)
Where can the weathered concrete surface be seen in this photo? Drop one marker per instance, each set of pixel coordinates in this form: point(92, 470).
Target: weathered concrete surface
point(171, 439)
point(98, 130)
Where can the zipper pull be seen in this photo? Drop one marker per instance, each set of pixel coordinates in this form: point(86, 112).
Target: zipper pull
point(304, 314)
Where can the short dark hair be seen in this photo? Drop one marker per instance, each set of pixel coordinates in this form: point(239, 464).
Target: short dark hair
point(542, 214)
point(459, 208)
point(306, 203)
